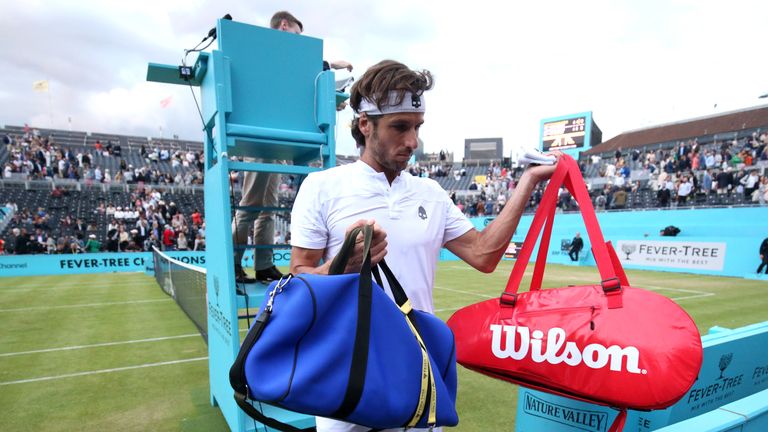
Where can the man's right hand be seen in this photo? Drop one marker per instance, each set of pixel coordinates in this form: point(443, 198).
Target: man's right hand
point(378, 246)
point(341, 64)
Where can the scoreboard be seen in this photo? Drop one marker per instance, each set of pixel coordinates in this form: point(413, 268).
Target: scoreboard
point(564, 134)
point(574, 131)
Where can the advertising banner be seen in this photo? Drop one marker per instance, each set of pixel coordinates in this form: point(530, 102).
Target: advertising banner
point(735, 366)
point(38, 265)
point(676, 254)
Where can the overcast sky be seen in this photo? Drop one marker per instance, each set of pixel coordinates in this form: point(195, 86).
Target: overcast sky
point(500, 66)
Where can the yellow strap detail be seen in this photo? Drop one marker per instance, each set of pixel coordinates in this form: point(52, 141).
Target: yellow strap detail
point(406, 308)
point(425, 369)
point(433, 398)
point(427, 379)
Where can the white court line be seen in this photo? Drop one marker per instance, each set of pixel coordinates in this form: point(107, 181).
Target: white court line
point(656, 288)
point(32, 289)
point(448, 309)
point(465, 292)
point(52, 282)
point(692, 296)
point(84, 305)
point(469, 267)
point(101, 371)
point(75, 347)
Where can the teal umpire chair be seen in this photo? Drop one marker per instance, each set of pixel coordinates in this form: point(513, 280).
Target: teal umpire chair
point(264, 95)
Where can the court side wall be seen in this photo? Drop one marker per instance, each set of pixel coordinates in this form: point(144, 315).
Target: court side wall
point(722, 242)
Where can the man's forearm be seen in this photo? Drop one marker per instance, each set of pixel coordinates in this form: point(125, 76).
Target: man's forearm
point(309, 269)
point(494, 239)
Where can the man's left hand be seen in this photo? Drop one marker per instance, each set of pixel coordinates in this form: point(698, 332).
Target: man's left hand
point(540, 173)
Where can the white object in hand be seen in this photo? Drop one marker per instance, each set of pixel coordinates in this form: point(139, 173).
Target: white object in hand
point(532, 156)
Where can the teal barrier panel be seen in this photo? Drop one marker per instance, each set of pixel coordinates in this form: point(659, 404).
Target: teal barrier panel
point(703, 246)
point(51, 265)
point(745, 415)
point(40, 265)
point(735, 365)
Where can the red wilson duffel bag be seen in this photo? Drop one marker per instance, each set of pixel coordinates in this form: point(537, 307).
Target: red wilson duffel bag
point(607, 343)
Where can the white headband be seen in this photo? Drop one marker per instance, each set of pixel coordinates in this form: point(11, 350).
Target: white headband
point(410, 103)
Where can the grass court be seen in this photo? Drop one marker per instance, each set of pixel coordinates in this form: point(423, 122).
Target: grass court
point(113, 352)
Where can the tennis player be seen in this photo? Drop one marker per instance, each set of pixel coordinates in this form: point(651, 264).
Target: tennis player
point(413, 217)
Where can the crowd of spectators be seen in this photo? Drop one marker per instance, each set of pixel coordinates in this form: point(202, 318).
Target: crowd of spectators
point(36, 157)
point(492, 194)
point(688, 169)
point(674, 175)
point(145, 222)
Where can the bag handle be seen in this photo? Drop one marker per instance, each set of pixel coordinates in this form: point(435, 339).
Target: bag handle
point(339, 263)
point(566, 174)
point(546, 206)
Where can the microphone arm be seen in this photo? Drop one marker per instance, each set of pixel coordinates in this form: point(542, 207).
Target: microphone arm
point(212, 32)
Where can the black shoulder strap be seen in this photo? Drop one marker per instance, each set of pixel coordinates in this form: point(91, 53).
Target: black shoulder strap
point(362, 333)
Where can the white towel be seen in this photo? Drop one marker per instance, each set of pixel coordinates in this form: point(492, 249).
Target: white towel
point(533, 156)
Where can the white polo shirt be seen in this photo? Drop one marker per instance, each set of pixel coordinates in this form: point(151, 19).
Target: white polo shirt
point(416, 213)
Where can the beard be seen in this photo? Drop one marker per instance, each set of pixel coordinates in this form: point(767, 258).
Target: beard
point(383, 159)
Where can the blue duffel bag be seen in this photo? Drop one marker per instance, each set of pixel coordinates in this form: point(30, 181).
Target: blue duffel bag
point(337, 346)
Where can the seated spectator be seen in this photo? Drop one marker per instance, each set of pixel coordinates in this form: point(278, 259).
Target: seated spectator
point(663, 196)
point(761, 194)
point(76, 245)
point(123, 238)
point(50, 245)
point(619, 199)
point(197, 219)
point(92, 245)
point(724, 181)
point(181, 241)
point(706, 181)
point(750, 182)
point(683, 190)
point(600, 201)
point(136, 237)
point(169, 240)
point(150, 242)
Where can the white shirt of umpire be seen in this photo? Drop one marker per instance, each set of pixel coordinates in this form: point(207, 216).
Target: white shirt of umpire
point(416, 213)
